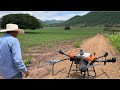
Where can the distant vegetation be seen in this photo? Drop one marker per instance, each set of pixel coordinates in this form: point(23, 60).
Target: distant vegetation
point(51, 21)
point(111, 30)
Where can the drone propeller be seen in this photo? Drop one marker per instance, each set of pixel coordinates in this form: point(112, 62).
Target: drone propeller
point(53, 61)
point(57, 50)
point(104, 51)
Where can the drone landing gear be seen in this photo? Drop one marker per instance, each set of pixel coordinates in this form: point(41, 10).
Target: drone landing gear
point(93, 73)
point(85, 73)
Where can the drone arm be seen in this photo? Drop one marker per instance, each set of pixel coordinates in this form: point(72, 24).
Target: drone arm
point(108, 60)
point(61, 52)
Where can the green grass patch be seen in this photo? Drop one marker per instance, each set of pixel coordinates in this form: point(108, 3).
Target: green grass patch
point(77, 44)
point(28, 60)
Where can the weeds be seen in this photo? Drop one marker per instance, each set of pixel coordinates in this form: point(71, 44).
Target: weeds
point(27, 60)
point(77, 44)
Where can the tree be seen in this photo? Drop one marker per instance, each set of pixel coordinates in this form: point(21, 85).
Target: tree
point(24, 21)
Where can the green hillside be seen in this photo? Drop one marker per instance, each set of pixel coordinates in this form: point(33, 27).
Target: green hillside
point(94, 18)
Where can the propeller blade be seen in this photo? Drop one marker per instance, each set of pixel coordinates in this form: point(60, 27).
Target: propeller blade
point(57, 50)
point(53, 61)
point(104, 51)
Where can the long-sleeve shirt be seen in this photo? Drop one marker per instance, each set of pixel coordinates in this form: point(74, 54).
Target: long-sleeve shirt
point(10, 56)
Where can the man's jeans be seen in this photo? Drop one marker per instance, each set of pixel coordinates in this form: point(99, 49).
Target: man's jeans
point(17, 76)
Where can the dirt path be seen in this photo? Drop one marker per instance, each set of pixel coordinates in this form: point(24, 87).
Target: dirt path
point(96, 44)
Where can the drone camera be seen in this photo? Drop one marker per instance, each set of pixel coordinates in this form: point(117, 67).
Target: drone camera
point(60, 51)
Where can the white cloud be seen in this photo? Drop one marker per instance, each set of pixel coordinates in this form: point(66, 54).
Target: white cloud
point(64, 17)
point(48, 15)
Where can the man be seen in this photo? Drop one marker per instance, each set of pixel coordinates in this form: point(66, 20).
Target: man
point(11, 63)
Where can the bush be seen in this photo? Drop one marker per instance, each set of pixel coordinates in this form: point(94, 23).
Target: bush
point(67, 28)
point(41, 26)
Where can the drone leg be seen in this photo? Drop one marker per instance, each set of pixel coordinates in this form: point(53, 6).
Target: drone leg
point(87, 72)
point(94, 71)
point(53, 69)
point(70, 68)
point(76, 66)
point(84, 74)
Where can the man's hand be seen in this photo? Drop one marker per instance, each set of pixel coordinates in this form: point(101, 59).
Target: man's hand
point(26, 73)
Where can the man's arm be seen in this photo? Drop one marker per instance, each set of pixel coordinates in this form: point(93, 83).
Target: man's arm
point(17, 57)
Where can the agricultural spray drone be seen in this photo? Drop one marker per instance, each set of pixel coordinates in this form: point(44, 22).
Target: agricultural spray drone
point(83, 62)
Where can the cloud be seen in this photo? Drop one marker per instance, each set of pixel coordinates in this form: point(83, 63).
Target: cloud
point(59, 15)
point(64, 17)
point(48, 15)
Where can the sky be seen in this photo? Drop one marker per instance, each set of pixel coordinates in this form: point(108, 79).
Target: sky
point(48, 15)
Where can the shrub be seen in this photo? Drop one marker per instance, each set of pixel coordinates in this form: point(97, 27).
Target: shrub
point(67, 28)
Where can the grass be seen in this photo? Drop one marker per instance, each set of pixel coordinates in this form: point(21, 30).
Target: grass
point(40, 39)
point(113, 33)
point(27, 60)
point(115, 39)
point(77, 44)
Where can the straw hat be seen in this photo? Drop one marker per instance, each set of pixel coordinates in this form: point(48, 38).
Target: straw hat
point(12, 27)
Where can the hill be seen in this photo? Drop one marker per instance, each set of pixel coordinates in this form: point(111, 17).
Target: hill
point(94, 18)
point(52, 21)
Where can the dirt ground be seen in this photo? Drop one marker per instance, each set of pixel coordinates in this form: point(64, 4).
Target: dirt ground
point(97, 44)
